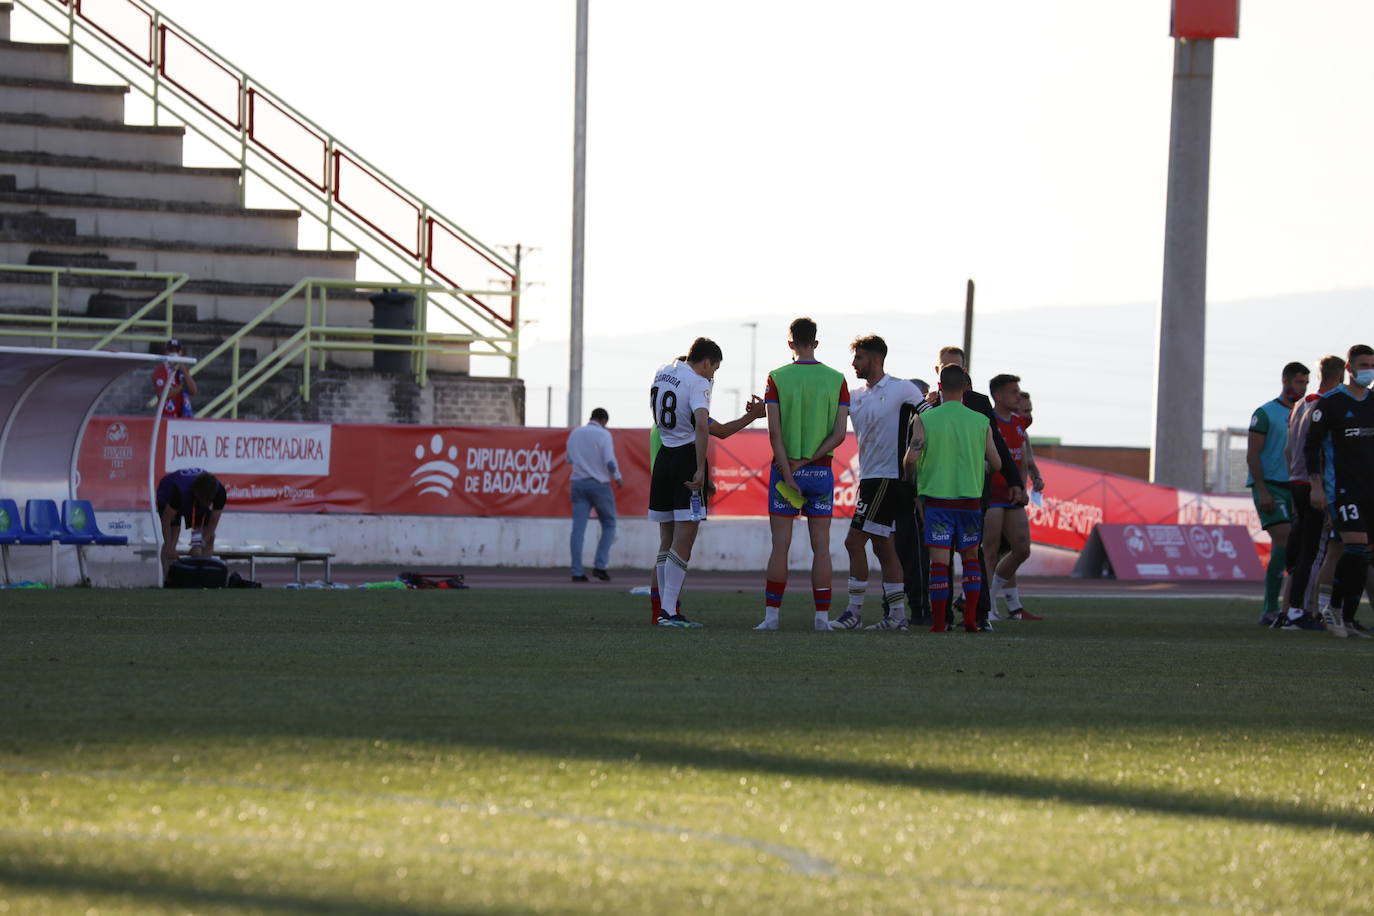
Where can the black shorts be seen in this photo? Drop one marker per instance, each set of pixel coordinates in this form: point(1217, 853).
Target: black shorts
point(1351, 510)
point(881, 501)
point(669, 498)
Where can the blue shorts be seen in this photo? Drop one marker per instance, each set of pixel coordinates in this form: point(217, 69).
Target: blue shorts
point(955, 529)
point(817, 485)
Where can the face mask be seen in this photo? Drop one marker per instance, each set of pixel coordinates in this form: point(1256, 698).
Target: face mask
point(1364, 378)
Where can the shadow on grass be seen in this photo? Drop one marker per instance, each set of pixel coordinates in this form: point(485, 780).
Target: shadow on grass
point(152, 889)
point(1162, 802)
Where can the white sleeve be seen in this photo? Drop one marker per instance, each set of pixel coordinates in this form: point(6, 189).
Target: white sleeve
point(913, 395)
point(612, 467)
point(700, 397)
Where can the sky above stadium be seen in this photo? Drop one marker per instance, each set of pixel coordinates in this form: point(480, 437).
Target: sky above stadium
point(753, 160)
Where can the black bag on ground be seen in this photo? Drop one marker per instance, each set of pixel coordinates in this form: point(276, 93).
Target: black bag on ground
point(204, 572)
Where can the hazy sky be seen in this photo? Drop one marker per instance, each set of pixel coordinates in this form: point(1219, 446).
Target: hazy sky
point(758, 159)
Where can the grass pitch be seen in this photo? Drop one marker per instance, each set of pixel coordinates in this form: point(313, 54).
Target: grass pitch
point(498, 751)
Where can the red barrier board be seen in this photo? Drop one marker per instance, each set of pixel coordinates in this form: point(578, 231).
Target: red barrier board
point(522, 472)
point(1181, 552)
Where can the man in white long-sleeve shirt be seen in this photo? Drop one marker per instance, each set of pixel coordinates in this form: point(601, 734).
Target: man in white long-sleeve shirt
point(591, 456)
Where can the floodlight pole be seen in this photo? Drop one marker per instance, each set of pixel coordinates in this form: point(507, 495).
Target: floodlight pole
point(1177, 457)
point(579, 218)
point(968, 326)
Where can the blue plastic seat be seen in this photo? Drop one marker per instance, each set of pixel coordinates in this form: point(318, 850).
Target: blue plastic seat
point(12, 530)
point(78, 517)
point(42, 521)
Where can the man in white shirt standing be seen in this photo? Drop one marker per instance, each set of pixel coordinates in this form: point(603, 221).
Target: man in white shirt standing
point(591, 456)
point(881, 412)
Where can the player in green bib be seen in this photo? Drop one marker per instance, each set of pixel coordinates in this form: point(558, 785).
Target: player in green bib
point(808, 415)
point(952, 450)
point(1266, 460)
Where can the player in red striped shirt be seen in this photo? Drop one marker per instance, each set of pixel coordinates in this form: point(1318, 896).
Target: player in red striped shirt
point(1006, 516)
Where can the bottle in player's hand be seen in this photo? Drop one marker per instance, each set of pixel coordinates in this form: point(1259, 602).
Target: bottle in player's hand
point(695, 504)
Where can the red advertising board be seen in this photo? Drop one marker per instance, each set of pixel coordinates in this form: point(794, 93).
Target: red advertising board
point(521, 472)
point(1181, 552)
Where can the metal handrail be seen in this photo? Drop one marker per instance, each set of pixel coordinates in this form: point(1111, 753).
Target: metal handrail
point(69, 326)
point(317, 337)
point(417, 264)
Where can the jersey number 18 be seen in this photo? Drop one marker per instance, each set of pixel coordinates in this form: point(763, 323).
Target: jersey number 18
point(665, 413)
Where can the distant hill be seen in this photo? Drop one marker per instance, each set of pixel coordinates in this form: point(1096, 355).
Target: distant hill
point(1090, 368)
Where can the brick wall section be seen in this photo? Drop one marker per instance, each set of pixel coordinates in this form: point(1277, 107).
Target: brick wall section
point(1130, 462)
point(344, 396)
point(448, 400)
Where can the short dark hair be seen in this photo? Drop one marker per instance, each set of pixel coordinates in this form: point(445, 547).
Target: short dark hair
point(599, 415)
point(204, 489)
point(1025, 394)
point(872, 343)
point(802, 331)
point(953, 378)
point(953, 349)
point(1295, 368)
point(1358, 350)
point(1333, 367)
point(704, 348)
point(1001, 381)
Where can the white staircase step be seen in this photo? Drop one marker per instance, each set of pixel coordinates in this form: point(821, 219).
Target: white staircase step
point(34, 61)
point(277, 266)
point(210, 300)
point(61, 99)
point(127, 217)
point(81, 137)
point(86, 175)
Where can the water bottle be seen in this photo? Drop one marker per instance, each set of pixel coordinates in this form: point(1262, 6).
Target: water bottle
point(697, 514)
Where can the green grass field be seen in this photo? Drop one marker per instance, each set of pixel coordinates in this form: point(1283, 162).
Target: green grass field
point(506, 752)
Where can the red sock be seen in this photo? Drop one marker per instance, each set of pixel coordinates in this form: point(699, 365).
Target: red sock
point(656, 603)
point(772, 593)
point(939, 595)
point(822, 598)
point(973, 587)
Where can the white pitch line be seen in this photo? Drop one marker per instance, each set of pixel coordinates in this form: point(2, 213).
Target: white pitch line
point(797, 860)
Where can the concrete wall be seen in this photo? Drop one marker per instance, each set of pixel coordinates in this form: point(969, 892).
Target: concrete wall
point(362, 397)
point(448, 400)
point(410, 541)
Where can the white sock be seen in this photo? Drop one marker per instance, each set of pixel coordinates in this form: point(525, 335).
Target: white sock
point(1323, 602)
point(1013, 596)
point(894, 601)
point(658, 576)
point(1295, 612)
point(822, 620)
point(857, 589)
point(998, 583)
point(674, 573)
point(770, 619)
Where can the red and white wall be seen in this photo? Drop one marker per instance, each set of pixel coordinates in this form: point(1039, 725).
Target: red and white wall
point(482, 496)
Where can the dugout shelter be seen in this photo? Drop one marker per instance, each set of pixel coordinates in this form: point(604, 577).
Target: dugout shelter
point(47, 397)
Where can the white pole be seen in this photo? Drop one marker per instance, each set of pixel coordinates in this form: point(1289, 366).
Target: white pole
point(753, 327)
point(579, 218)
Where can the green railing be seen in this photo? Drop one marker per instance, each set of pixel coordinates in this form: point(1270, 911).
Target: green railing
point(317, 338)
point(57, 325)
point(270, 141)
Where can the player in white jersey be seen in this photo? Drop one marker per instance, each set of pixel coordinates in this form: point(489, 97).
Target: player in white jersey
point(881, 412)
point(681, 401)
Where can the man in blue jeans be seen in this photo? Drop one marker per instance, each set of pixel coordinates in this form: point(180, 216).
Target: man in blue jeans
point(591, 456)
